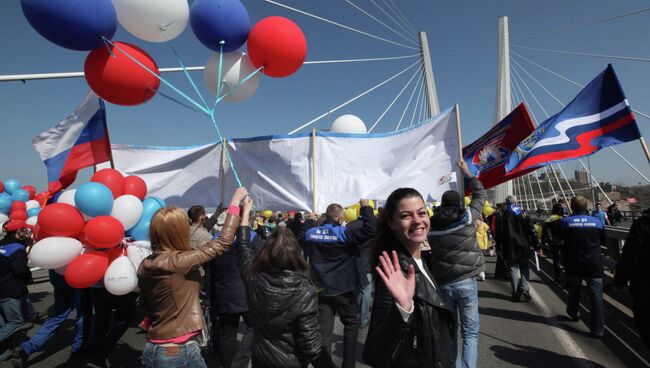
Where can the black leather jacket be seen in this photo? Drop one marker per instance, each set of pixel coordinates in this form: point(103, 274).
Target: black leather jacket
point(284, 314)
point(426, 340)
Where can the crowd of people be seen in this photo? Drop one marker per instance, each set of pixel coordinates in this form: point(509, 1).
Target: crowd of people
point(409, 277)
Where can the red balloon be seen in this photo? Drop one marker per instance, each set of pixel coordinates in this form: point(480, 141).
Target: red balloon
point(86, 269)
point(112, 178)
point(41, 198)
point(135, 186)
point(19, 215)
point(117, 78)
point(31, 190)
point(103, 232)
point(2, 187)
point(18, 205)
point(115, 253)
point(277, 44)
point(61, 219)
point(39, 234)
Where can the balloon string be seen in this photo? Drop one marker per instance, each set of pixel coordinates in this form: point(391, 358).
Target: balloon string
point(223, 147)
point(110, 51)
point(180, 62)
point(221, 43)
point(179, 102)
point(203, 109)
point(231, 89)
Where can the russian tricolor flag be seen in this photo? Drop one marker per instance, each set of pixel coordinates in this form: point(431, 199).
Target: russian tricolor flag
point(80, 141)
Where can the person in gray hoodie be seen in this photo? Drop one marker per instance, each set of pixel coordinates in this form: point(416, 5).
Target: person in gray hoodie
point(456, 260)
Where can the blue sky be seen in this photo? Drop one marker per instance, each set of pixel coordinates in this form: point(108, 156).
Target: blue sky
point(462, 37)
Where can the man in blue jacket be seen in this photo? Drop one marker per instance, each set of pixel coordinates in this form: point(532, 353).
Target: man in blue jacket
point(14, 276)
point(332, 250)
point(583, 236)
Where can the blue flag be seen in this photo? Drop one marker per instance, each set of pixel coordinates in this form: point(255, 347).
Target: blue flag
point(599, 116)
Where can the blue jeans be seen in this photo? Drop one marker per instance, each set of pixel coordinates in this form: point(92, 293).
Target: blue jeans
point(65, 300)
point(462, 298)
point(519, 275)
point(11, 319)
point(363, 301)
point(187, 355)
point(595, 290)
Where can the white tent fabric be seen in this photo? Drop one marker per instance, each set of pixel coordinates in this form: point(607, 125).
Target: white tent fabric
point(277, 169)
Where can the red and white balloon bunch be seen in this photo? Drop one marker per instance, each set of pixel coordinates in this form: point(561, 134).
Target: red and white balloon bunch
point(82, 234)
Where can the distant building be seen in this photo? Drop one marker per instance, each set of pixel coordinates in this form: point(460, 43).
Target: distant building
point(581, 177)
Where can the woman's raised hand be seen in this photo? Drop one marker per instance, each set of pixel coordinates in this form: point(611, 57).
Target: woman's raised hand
point(402, 288)
point(239, 195)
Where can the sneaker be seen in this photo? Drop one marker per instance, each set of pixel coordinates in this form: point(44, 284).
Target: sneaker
point(18, 357)
point(574, 318)
point(526, 295)
point(597, 335)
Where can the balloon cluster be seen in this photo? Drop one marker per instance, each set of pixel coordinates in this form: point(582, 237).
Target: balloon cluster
point(19, 204)
point(82, 234)
point(125, 74)
point(353, 212)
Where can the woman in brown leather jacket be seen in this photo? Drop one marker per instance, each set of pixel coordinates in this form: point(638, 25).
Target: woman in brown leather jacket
point(170, 281)
point(283, 302)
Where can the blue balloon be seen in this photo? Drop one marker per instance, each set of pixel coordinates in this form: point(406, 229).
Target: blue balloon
point(5, 195)
point(141, 230)
point(11, 185)
point(214, 21)
point(33, 211)
point(150, 205)
point(20, 195)
point(94, 199)
point(73, 24)
point(5, 205)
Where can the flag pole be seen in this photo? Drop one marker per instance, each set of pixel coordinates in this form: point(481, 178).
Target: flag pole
point(313, 169)
point(645, 148)
point(461, 180)
point(223, 168)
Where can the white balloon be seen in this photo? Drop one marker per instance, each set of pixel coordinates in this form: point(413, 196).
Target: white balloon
point(236, 66)
point(153, 20)
point(67, 197)
point(120, 277)
point(137, 251)
point(128, 210)
point(32, 220)
point(54, 252)
point(348, 124)
point(32, 204)
point(3, 218)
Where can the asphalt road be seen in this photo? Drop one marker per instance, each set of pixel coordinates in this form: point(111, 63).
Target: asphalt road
point(525, 334)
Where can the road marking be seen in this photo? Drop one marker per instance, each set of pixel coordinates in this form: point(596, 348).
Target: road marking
point(568, 343)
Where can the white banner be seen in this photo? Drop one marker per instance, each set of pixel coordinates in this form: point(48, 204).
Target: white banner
point(182, 176)
point(354, 166)
point(277, 169)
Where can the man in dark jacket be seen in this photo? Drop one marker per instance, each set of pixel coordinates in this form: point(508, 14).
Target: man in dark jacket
point(583, 236)
point(516, 235)
point(632, 270)
point(14, 276)
point(552, 236)
point(227, 294)
point(456, 260)
point(332, 261)
point(364, 272)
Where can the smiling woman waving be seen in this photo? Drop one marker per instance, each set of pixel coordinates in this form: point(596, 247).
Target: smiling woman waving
point(410, 324)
